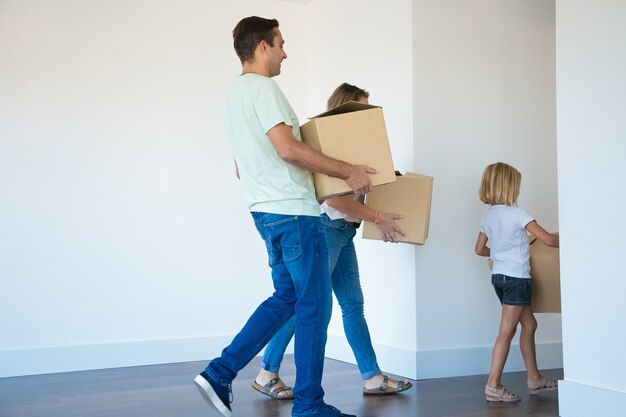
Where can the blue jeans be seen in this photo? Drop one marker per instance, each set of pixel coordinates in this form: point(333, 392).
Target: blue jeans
point(347, 288)
point(298, 258)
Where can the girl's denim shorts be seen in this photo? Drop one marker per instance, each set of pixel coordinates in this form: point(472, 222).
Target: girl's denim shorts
point(512, 291)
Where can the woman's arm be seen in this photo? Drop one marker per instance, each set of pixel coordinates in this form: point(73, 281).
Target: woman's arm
point(386, 222)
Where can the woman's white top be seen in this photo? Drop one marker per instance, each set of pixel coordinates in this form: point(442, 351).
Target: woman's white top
point(335, 214)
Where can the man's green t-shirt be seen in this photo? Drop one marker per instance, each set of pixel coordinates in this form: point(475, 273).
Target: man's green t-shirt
point(255, 105)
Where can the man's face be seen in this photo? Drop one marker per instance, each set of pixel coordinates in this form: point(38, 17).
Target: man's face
point(276, 54)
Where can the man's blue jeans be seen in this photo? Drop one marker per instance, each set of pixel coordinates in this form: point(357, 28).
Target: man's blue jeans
point(298, 257)
point(347, 288)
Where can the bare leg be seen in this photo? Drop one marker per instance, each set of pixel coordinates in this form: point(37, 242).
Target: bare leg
point(527, 343)
point(508, 325)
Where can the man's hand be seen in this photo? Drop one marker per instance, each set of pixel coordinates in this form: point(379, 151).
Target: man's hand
point(358, 179)
point(388, 227)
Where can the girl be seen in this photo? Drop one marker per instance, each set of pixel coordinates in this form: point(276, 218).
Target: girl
point(505, 226)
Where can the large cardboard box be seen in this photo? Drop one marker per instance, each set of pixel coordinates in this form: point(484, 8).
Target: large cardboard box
point(353, 132)
point(410, 195)
point(545, 271)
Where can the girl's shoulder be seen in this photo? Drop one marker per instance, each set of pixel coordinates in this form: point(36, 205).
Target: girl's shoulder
point(504, 207)
point(502, 210)
point(520, 210)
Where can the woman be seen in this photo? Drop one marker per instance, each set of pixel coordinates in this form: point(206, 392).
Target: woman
point(341, 216)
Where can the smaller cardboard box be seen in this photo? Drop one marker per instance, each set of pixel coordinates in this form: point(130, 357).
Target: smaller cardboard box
point(545, 272)
point(353, 132)
point(410, 195)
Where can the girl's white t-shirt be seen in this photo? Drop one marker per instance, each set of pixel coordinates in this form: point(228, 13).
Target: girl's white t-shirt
point(507, 239)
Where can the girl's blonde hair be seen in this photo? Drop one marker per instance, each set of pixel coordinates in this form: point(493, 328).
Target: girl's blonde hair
point(344, 93)
point(500, 184)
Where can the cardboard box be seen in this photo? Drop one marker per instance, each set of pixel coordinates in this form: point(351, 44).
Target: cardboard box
point(410, 195)
point(353, 132)
point(545, 271)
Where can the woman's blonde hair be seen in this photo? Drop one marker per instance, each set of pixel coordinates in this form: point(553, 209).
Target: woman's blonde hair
point(500, 184)
point(344, 93)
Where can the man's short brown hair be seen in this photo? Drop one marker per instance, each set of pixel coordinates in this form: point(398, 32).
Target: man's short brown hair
point(249, 32)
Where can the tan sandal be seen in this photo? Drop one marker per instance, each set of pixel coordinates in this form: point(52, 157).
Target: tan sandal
point(502, 394)
point(544, 384)
point(271, 390)
point(385, 389)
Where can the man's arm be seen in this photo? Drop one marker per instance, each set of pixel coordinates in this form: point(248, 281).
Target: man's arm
point(293, 151)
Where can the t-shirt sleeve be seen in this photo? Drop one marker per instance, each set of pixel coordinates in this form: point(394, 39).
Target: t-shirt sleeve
point(271, 107)
point(523, 218)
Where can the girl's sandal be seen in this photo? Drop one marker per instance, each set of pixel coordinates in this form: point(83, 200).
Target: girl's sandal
point(544, 384)
point(502, 394)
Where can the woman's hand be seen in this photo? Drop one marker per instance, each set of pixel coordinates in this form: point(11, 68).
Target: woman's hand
point(388, 227)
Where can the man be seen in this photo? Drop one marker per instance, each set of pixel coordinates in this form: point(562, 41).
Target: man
point(274, 167)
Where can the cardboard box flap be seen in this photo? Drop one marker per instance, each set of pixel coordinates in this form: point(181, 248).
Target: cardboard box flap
point(346, 107)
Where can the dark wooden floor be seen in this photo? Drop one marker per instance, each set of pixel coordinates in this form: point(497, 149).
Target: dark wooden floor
point(167, 390)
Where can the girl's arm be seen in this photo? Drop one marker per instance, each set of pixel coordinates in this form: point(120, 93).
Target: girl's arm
point(481, 248)
point(546, 238)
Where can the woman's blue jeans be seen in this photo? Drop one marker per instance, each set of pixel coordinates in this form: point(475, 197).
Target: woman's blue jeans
point(347, 288)
point(298, 257)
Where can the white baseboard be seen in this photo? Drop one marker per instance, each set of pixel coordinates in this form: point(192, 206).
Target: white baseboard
point(578, 400)
point(47, 360)
point(397, 361)
point(393, 360)
point(444, 363)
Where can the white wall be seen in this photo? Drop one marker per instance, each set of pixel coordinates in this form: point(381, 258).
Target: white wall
point(484, 91)
point(124, 233)
point(591, 103)
point(124, 236)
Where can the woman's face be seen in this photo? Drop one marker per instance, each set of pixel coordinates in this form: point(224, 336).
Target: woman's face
point(363, 100)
